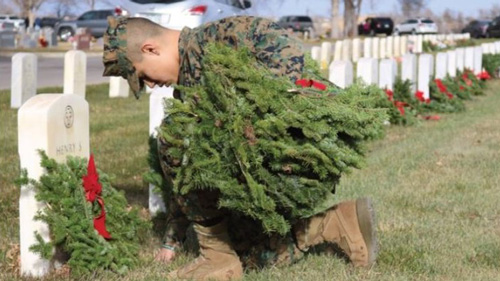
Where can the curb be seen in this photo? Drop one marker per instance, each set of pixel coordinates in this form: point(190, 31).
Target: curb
point(49, 54)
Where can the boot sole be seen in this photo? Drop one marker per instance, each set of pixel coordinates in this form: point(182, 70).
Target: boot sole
point(366, 220)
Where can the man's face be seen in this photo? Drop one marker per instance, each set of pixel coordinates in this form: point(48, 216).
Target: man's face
point(158, 68)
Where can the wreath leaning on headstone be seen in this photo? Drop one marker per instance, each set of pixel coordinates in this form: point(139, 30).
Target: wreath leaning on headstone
point(89, 220)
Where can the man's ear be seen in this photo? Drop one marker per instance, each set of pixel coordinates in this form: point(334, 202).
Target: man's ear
point(150, 48)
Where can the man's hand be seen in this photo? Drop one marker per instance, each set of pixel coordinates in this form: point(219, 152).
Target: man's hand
point(165, 255)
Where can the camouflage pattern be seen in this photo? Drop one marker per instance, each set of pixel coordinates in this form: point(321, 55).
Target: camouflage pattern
point(270, 44)
point(116, 62)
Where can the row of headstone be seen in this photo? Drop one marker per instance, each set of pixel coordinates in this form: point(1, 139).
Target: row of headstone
point(24, 77)
point(385, 47)
point(418, 69)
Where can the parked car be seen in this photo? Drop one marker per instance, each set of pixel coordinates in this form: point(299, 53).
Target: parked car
point(416, 26)
point(372, 26)
point(7, 26)
point(49, 21)
point(95, 21)
point(493, 29)
point(476, 28)
point(177, 14)
point(17, 21)
point(296, 23)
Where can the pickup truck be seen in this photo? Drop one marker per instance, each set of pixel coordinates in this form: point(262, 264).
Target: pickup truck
point(95, 21)
point(296, 23)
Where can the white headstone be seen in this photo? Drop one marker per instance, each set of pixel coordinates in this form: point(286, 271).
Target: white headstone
point(478, 59)
point(326, 54)
point(383, 48)
point(403, 48)
point(367, 48)
point(156, 115)
point(338, 51)
point(424, 73)
point(346, 49)
point(316, 54)
point(452, 63)
point(469, 58)
point(397, 46)
point(387, 74)
point(341, 73)
point(419, 44)
point(356, 49)
point(497, 47)
point(441, 65)
point(75, 72)
point(409, 70)
point(118, 87)
point(376, 47)
point(367, 70)
point(460, 53)
point(59, 125)
point(23, 79)
point(486, 48)
point(390, 47)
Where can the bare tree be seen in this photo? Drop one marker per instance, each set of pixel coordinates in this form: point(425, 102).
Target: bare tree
point(490, 13)
point(29, 8)
point(412, 7)
point(335, 19)
point(351, 14)
point(5, 8)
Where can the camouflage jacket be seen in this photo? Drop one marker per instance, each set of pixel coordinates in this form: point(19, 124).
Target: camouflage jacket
point(271, 45)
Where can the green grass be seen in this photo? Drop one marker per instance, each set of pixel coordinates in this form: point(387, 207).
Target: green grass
point(435, 186)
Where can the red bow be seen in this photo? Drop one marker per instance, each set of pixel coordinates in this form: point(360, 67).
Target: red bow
point(92, 192)
point(443, 89)
point(484, 75)
point(465, 77)
point(401, 107)
point(390, 94)
point(420, 96)
point(306, 83)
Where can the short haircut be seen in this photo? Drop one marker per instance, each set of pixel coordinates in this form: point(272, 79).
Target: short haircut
point(138, 30)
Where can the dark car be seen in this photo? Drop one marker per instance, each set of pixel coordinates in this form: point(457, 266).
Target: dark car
point(49, 22)
point(493, 29)
point(373, 26)
point(477, 28)
point(296, 23)
point(95, 21)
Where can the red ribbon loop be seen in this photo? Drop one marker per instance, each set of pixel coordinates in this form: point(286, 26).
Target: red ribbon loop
point(307, 83)
point(93, 190)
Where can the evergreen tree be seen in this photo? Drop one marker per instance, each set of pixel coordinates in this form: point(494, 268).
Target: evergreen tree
point(274, 151)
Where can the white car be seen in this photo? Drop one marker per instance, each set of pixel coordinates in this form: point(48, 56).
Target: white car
point(416, 26)
point(17, 21)
point(176, 14)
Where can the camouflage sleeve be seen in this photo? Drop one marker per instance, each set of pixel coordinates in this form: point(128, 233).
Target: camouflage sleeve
point(274, 47)
point(271, 45)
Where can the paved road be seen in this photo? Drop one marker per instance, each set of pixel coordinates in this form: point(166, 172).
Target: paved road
point(51, 71)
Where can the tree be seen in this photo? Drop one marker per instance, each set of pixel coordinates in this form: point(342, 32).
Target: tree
point(412, 7)
point(351, 14)
point(335, 29)
point(29, 8)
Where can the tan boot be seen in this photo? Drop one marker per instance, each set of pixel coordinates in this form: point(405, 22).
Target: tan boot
point(217, 260)
point(351, 225)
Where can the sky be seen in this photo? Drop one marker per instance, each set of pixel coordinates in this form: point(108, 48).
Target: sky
point(277, 8)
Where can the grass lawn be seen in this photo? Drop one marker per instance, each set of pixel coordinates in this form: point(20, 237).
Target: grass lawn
point(436, 187)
